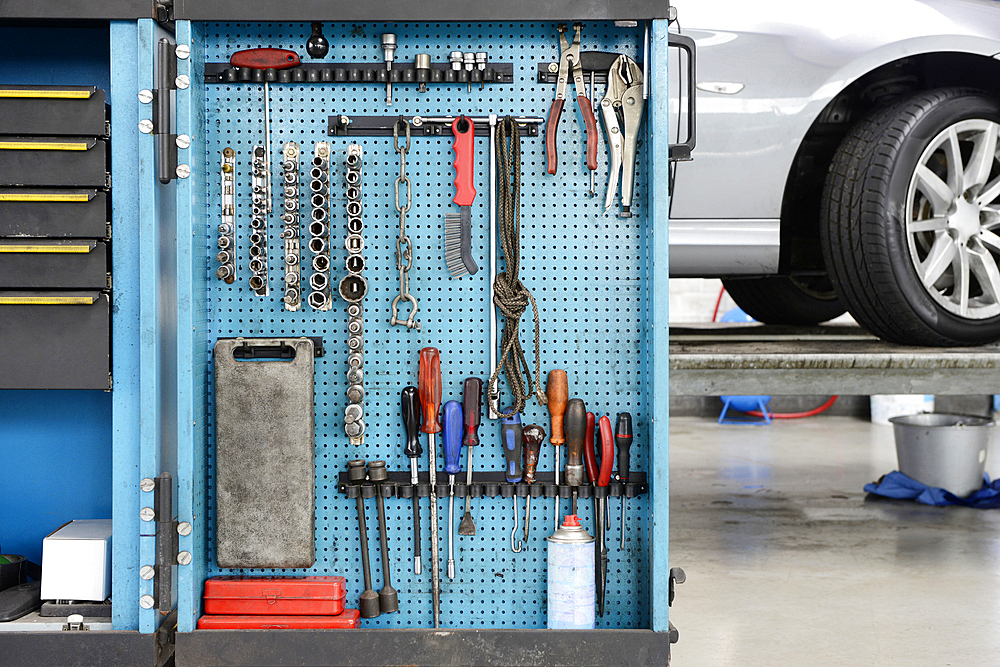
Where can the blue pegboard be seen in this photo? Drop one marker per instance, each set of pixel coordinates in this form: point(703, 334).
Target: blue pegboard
point(587, 270)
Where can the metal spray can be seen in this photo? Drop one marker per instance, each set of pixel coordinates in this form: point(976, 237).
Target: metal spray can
point(572, 594)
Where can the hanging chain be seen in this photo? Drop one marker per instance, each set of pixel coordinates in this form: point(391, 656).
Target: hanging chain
point(404, 247)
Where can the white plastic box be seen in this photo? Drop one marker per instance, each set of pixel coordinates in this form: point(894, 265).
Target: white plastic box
point(76, 561)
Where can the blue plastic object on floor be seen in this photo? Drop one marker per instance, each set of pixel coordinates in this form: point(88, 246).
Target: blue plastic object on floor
point(745, 404)
point(897, 485)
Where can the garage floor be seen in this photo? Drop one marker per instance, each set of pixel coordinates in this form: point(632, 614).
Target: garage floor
point(788, 562)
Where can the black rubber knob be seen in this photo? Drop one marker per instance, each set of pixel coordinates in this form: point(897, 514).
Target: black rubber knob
point(317, 46)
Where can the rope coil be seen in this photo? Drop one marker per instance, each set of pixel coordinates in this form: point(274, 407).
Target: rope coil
point(510, 294)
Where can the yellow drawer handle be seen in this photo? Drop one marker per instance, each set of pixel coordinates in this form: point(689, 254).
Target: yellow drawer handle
point(47, 300)
point(44, 196)
point(43, 146)
point(48, 249)
point(49, 94)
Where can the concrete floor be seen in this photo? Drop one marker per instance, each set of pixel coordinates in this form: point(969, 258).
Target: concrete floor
point(788, 562)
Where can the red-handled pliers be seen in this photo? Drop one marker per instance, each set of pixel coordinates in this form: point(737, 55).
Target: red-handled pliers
point(599, 477)
point(569, 59)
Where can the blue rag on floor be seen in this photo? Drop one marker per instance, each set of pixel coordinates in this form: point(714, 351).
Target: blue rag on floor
point(898, 485)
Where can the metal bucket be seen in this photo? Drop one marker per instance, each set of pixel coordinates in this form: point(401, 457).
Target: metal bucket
point(943, 450)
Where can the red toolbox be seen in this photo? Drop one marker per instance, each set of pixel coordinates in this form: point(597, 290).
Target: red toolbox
point(288, 596)
point(345, 621)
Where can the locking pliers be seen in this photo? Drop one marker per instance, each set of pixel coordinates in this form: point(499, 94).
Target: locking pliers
point(569, 61)
point(622, 109)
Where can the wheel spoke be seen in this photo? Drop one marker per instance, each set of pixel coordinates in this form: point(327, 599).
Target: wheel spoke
point(989, 192)
point(989, 240)
point(936, 190)
point(960, 266)
point(989, 217)
point(928, 225)
point(938, 259)
point(983, 155)
point(955, 167)
point(984, 267)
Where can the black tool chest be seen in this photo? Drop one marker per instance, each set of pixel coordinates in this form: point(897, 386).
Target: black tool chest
point(54, 237)
point(200, 192)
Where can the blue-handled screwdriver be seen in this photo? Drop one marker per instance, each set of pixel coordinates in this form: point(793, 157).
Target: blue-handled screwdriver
point(452, 439)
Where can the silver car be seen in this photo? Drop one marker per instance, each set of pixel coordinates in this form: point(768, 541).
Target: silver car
point(846, 160)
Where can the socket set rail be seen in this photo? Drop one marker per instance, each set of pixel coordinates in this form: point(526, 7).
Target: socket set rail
point(589, 272)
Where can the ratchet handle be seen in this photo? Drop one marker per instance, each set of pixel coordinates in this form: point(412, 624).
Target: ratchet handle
point(411, 421)
point(452, 437)
point(590, 123)
point(265, 59)
point(472, 410)
point(464, 148)
point(607, 451)
point(589, 457)
point(511, 437)
point(551, 125)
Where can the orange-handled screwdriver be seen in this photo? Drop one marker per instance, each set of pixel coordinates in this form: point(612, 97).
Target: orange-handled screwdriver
point(430, 399)
point(557, 388)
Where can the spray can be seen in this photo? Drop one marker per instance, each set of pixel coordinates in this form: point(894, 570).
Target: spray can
point(572, 594)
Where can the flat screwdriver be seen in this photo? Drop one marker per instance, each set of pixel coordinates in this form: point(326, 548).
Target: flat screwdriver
point(575, 425)
point(623, 440)
point(452, 441)
point(472, 411)
point(411, 421)
point(430, 399)
point(557, 388)
point(511, 438)
point(534, 436)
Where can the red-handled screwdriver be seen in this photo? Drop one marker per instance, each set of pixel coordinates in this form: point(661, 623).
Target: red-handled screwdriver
point(430, 399)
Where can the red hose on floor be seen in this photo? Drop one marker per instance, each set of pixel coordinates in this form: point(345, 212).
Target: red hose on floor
point(718, 301)
point(796, 415)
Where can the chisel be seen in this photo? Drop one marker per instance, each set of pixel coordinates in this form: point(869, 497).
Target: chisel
point(472, 409)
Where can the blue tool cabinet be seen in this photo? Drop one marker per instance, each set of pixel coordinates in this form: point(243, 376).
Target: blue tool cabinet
point(600, 283)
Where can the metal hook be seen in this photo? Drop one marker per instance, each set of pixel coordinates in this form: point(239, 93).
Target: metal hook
point(520, 543)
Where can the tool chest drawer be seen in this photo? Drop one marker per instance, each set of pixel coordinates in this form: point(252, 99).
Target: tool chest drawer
point(53, 213)
point(71, 162)
point(48, 264)
point(53, 111)
point(54, 340)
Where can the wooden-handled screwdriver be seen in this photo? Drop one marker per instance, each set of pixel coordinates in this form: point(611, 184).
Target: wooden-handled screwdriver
point(534, 436)
point(557, 389)
point(576, 427)
point(411, 421)
point(430, 399)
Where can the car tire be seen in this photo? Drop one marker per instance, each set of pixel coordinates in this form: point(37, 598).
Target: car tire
point(906, 220)
point(786, 300)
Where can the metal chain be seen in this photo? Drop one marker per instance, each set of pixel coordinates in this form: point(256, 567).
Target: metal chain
point(404, 247)
point(510, 294)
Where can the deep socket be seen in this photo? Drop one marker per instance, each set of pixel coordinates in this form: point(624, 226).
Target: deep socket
point(321, 263)
point(317, 245)
point(317, 229)
point(317, 300)
point(318, 281)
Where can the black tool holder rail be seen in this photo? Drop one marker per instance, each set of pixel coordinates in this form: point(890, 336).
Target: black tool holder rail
point(493, 484)
point(352, 73)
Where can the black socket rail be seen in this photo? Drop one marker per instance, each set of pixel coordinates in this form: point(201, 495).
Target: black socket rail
point(353, 73)
point(492, 484)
